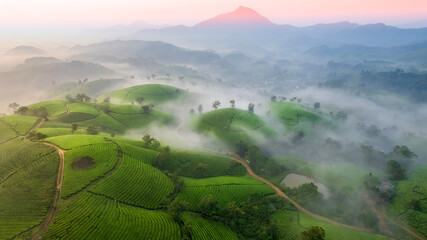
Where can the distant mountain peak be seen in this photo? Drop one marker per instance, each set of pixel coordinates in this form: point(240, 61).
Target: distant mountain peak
point(239, 17)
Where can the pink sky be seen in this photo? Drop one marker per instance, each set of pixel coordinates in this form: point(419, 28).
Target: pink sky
point(298, 12)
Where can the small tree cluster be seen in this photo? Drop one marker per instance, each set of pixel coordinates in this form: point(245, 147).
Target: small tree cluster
point(216, 104)
point(313, 233)
point(92, 130)
point(80, 98)
point(251, 107)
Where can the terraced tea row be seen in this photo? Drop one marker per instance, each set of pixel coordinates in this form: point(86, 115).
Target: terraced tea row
point(95, 217)
point(222, 189)
point(26, 195)
point(86, 164)
point(205, 229)
point(213, 165)
point(53, 107)
point(21, 124)
point(16, 154)
point(136, 183)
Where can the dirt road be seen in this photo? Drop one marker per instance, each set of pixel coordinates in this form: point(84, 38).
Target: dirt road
point(55, 205)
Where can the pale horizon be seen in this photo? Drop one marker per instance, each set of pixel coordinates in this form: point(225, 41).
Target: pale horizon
point(78, 13)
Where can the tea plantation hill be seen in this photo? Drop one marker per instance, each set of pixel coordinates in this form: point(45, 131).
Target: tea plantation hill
point(65, 183)
point(150, 93)
point(90, 88)
point(232, 125)
point(295, 117)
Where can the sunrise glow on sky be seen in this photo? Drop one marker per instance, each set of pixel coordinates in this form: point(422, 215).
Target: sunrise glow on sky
point(298, 12)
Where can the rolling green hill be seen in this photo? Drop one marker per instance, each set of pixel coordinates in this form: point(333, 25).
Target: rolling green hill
point(232, 125)
point(92, 88)
point(78, 184)
point(151, 93)
point(293, 117)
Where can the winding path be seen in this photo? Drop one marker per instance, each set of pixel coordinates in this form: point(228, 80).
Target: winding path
point(299, 207)
point(55, 205)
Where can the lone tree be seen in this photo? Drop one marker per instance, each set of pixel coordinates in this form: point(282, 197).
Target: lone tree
point(147, 139)
point(273, 98)
point(200, 109)
point(208, 205)
point(176, 208)
point(395, 171)
point(161, 160)
point(232, 103)
point(92, 130)
point(81, 97)
point(313, 233)
point(107, 100)
point(192, 111)
point(23, 110)
point(145, 108)
point(202, 169)
point(251, 107)
point(139, 100)
point(216, 104)
point(14, 106)
point(73, 127)
point(316, 105)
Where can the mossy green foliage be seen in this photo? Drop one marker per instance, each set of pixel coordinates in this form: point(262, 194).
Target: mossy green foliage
point(294, 117)
point(53, 107)
point(187, 162)
point(291, 223)
point(152, 93)
point(136, 183)
point(105, 157)
point(27, 185)
point(90, 216)
point(20, 124)
point(233, 125)
point(205, 229)
point(223, 190)
point(409, 190)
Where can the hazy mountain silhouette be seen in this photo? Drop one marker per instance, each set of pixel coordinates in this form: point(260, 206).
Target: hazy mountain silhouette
point(241, 17)
point(25, 50)
point(246, 26)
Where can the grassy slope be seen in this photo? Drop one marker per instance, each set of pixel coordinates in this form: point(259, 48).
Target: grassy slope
point(27, 185)
point(89, 216)
point(92, 88)
point(217, 165)
point(20, 124)
point(293, 117)
point(53, 107)
point(291, 224)
point(205, 229)
point(232, 125)
point(136, 183)
point(152, 93)
point(223, 189)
